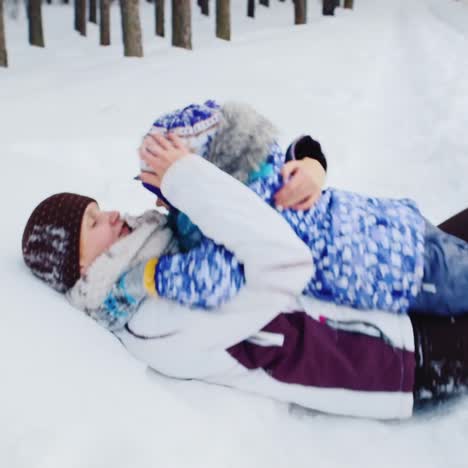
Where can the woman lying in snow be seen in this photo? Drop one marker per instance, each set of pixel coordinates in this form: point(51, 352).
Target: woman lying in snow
point(269, 338)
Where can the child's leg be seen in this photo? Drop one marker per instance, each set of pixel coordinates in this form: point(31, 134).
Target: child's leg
point(441, 348)
point(445, 283)
point(457, 225)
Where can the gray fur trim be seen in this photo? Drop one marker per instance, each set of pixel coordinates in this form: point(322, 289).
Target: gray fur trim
point(243, 140)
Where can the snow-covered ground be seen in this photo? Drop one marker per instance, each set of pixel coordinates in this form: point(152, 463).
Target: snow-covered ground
point(383, 87)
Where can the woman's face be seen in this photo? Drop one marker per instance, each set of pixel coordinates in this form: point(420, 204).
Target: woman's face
point(99, 231)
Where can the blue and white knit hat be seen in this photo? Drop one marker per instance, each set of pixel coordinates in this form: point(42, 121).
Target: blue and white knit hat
point(196, 124)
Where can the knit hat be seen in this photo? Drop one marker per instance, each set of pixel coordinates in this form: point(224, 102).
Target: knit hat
point(51, 239)
point(196, 124)
point(233, 136)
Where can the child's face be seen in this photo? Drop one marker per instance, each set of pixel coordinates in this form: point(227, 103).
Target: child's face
point(99, 231)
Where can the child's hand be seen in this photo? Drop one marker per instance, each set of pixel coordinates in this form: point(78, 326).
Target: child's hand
point(160, 152)
point(303, 183)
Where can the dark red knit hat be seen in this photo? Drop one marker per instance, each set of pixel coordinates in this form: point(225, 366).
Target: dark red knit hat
point(51, 239)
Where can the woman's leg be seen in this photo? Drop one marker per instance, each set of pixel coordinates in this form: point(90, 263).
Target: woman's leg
point(457, 225)
point(441, 350)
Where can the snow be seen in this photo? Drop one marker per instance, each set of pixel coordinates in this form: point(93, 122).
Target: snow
point(383, 87)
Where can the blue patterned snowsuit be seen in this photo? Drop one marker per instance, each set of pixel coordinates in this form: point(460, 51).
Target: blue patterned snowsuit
point(367, 252)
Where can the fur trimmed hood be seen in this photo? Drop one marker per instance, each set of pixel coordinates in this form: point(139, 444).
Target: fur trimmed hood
point(150, 237)
point(242, 142)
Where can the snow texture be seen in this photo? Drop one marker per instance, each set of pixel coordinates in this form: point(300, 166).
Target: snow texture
point(383, 87)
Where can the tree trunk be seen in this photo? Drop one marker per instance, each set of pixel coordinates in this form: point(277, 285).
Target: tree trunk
point(182, 24)
point(300, 15)
point(93, 11)
point(265, 2)
point(328, 8)
point(223, 19)
point(80, 16)
point(3, 51)
point(251, 8)
point(131, 28)
point(104, 25)
point(36, 36)
point(205, 7)
point(348, 3)
point(159, 19)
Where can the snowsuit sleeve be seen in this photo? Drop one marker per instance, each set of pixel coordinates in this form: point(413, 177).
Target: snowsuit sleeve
point(205, 277)
point(209, 275)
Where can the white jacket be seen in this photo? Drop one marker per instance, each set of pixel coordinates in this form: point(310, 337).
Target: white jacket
point(185, 343)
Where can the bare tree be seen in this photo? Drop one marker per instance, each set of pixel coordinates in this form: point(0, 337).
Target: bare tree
point(3, 51)
point(223, 19)
point(104, 24)
point(36, 35)
point(80, 16)
point(204, 6)
point(300, 13)
point(131, 28)
point(328, 8)
point(159, 17)
point(348, 3)
point(93, 11)
point(182, 24)
point(251, 8)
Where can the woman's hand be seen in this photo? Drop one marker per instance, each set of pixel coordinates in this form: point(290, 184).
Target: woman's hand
point(304, 181)
point(160, 152)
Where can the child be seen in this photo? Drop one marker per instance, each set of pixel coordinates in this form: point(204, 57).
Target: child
point(331, 359)
point(368, 253)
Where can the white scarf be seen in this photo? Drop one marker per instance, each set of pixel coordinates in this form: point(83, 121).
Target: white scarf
point(150, 237)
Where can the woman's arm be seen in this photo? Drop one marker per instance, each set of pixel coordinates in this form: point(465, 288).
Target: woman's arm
point(305, 172)
point(236, 218)
point(304, 183)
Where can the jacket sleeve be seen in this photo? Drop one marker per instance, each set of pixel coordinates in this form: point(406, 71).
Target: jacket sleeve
point(236, 218)
point(306, 147)
point(209, 275)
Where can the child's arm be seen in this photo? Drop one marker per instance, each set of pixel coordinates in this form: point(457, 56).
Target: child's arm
point(206, 276)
